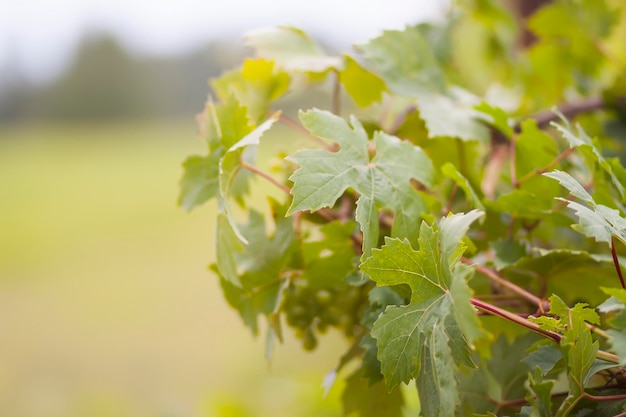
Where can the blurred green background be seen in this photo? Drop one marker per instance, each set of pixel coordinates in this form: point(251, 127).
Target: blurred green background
point(107, 307)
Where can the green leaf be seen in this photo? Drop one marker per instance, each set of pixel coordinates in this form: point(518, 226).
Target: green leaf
point(436, 330)
point(496, 117)
point(579, 351)
point(199, 182)
point(328, 261)
point(573, 186)
point(598, 222)
point(544, 357)
point(256, 85)
point(583, 142)
point(507, 251)
point(364, 399)
point(450, 171)
point(382, 181)
point(540, 391)
point(498, 379)
point(379, 299)
point(535, 149)
point(617, 321)
point(436, 109)
point(405, 61)
point(562, 270)
point(230, 167)
point(292, 49)
point(362, 85)
point(221, 125)
point(260, 266)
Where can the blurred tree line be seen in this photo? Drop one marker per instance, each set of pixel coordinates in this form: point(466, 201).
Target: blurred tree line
point(107, 82)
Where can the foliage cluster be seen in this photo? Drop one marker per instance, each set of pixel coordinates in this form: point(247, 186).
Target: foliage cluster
point(459, 234)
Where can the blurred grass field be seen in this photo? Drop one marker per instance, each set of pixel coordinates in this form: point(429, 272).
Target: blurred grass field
point(106, 305)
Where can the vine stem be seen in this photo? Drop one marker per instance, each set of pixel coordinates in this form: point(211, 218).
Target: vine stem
point(616, 262)
point(288, 121)
point(515, 319)
point(546, 168)
point(492, 275)
point(265, 175)
point(604, 397)
point(545, 117)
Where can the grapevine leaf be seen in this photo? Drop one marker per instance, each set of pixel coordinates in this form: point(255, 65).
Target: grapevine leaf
point(292, 49)
point(382, 181)
point(364, 399)
point(507, 252)
point(436, 382)
point(562, 270)
point(572, 185)
point(496, 117)
point(535, 149)
point(436, 109)
point(618, 335)
point(405, 61)
point(199, 182)
point(229, 243)
point(329, 260)
point(230, 167)
point(450, 171)
point(544, 357)
point(498, 378)
point(221, 125)
point(583, 142)
point(599, 222)
point(379, 299)
point(617, 321)
point(260, 265)
point(579, 351)
point(618, 294)
point(257, 84)
point(580, 311)
point(541, 393)
point(436, 329)
point(363, 86)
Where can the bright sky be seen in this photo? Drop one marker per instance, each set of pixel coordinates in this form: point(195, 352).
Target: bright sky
point(39, 36)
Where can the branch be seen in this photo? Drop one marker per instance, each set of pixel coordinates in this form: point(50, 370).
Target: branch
point(514, 318)
point(616, 262)
point(604, 397)
point(265, 175)
point(492, 275)
point(301, 129)
point(568, 110)
point(545, 169)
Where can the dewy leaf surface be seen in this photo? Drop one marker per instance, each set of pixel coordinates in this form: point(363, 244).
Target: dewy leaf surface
point(428, 338)
point(381, 182)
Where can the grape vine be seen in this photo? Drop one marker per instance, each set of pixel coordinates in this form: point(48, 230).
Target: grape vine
point(458, 213)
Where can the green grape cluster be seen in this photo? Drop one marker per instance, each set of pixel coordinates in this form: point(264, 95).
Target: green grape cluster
point(312, 311)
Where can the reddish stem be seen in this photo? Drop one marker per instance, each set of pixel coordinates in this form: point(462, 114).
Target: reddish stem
point(265, 175)
point(545, 169)
point(505, 283)
point(515, 319)
point(616, 263)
